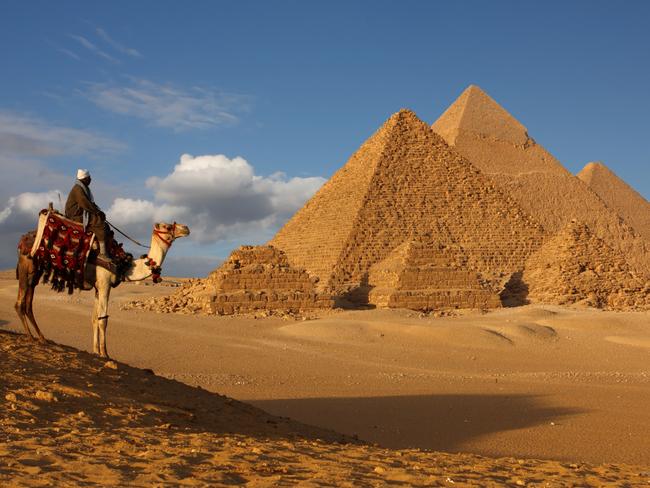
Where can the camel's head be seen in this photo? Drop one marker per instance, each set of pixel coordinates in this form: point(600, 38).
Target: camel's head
point(170, 232)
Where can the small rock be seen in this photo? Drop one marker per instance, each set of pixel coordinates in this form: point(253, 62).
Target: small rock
point(520, 483)
point(110, 364)
point(11, 397)
point(379, 470)
point(46, 396)
point(256, 450)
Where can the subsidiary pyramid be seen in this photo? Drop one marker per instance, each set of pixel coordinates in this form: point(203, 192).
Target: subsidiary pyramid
point(252, 279)
point(404, 183)
point(425, 275)
point(575, 266)
point(500, 146)
point(619, 196)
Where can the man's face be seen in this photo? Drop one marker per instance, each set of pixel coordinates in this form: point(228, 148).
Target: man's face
point(86, 181)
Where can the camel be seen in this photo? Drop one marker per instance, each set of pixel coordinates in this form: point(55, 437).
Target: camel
point(99, 278)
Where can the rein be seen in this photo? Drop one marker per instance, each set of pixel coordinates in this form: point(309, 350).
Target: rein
point(129, 238)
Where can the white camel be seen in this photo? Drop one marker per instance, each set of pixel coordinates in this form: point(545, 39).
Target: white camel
point(99, 278)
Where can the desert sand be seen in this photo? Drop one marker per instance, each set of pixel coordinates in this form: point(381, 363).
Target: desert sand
point(507, 388)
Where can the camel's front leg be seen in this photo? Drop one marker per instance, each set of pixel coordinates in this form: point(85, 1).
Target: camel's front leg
point(102, 318)
point(96, 324)
point(29, 304)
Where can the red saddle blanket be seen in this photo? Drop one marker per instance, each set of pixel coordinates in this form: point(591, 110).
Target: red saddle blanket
point(63, 243)
point(62, 249)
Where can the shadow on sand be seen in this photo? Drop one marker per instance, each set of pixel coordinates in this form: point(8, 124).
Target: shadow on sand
point(439, 422)
point(118, 398)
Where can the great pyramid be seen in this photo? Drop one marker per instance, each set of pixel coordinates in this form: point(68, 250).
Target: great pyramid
point(619, 196)
point(426, 275)
point(575, 266)
point(483, 132)
point(402, 184)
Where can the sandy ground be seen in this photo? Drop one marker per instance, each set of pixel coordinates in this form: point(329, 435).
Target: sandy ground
point(533, 382)
point(71, 419)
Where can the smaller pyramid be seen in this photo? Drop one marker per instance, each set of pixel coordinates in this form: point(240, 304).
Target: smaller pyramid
point(252, 279)
point(425, 275)
point(619, 196)
point(575, 266)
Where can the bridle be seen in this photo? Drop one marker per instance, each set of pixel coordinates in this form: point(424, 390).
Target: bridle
point(167, 237)
point(160, 234)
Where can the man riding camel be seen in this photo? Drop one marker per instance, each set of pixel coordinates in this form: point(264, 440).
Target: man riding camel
point(81, 207)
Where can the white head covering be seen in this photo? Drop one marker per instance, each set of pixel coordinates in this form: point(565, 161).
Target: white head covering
point(82, 173)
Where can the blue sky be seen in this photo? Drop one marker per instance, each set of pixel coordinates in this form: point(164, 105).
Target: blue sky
point(126, 88)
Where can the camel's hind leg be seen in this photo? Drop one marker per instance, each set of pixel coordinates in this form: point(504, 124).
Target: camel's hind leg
point(24, 274)
point(21, 310)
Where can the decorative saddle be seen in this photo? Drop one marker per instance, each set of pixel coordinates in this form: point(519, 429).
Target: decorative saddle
point(62, 248)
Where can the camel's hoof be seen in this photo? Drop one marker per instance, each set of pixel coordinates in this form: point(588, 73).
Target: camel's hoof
point(42, 340)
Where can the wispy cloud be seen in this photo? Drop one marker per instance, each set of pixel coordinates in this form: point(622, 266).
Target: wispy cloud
point(93, 48)
point(29, 136)
point(118, 46)
point(69, 53)
point(170, 106)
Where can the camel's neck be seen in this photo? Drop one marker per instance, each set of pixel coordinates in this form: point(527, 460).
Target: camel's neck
point(157, 252)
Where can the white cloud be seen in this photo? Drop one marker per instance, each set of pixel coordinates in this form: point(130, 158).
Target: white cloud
point(93, 48)
point(29, 136)
point(118, 46)
point(219, 198)
point(21, 211)
point(166, 105)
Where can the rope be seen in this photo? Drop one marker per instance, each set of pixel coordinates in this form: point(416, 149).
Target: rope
point(129, 238)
